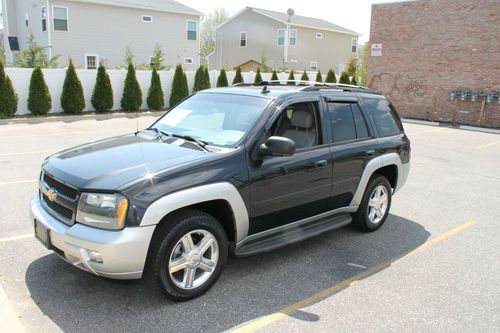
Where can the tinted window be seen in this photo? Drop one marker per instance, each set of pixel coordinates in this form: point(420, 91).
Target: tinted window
point(359, 120)
point(342, 122)
point(384, 116)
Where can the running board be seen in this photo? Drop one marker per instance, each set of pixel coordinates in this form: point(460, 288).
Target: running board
point(286, 235)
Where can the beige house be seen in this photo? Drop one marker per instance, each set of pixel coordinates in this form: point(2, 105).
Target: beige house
point(89, 31)
point(295, 41)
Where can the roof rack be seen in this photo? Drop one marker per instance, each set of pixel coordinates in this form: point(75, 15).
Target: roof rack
point(309, 85)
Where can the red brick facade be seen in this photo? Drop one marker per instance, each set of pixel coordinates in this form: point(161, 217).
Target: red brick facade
point(431, 47)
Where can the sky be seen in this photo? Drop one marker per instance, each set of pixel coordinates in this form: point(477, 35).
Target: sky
point(351, 14)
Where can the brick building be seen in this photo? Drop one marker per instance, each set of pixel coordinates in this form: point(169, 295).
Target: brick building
point(432, 47)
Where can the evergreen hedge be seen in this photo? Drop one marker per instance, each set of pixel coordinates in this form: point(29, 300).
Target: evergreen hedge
point(39, 100)
point(344, 78)
point(274, 77)
point(354, 82)
point(238, 78)
point(155, 99)
point(291, 77)
point(330, 77)
point(304, 76)
point(201, 79)
point(258, 77)
point(132, 94)
point(102, 96)
point(319, 77)
point(8, 96)
point(207, 78)
point(72, 98)
point(180, 88)
point(222, 79)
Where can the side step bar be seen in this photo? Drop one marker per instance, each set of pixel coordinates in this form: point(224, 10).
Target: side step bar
point(283, 236)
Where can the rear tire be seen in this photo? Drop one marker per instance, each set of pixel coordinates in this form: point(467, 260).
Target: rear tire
point(375, 205)
point(187, 254)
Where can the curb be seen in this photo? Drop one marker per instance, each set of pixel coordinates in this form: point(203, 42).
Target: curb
point(449, 125)
point(73, 118)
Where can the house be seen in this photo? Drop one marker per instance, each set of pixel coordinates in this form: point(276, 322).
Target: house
point(290, 41)
point(90, 31)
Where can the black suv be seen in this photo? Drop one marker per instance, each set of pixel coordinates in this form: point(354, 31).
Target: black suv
point(240, 170)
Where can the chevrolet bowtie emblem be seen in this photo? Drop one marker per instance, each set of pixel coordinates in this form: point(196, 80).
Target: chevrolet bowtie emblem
point(52, 195)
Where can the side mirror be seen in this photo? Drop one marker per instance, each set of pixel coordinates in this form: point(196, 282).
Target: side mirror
point(277, 146)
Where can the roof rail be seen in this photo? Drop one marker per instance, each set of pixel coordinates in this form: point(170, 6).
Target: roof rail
point(309, 85)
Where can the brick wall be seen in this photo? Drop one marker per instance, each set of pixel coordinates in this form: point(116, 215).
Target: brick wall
point(430, 47)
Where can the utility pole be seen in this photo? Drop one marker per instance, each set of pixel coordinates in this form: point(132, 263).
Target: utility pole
point(290, 13)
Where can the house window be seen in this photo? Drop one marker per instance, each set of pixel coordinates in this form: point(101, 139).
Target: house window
point(293, 37)
point(243, 39)
point(91, 61)
point(27, 20)
point(313, 65)
point(147, 18)
point(191, 30)
point(60, 18)
point(281, 37)
point(188, 61)
point(319, 35)
point(354, 45)
point(44, 18)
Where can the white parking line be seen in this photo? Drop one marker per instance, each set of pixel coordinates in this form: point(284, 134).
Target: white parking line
point(29, 152)
point(13, 238)
point(8, 317)
point(19, 182)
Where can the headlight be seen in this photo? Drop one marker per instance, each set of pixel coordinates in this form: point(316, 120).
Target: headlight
point(107, 211)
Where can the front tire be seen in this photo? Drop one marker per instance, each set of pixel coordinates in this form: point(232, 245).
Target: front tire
point(375, 205)
point(188, 254)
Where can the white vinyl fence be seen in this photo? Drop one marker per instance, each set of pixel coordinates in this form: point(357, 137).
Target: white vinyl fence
point(55, 78)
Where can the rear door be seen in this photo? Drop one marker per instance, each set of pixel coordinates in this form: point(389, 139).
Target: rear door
point(352, 144)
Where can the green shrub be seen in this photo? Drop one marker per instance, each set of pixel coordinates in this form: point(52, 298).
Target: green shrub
point(102, 96)
point(39, 100)
point(180, 89)
point(155, 100)
point(72, 98)
point(8, 96)
point(291, 77)
point(238, 78)
point(319, 77)
point(304, 76)
point(354, 82)
point(258, 77)
point(344, 78)
point(207, 77)
point(274, 77)
point(132, 94)
point(201, 79)
point(330, 77)
point(222, 79)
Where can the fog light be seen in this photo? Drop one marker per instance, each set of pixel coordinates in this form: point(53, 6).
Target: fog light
point(95, 256)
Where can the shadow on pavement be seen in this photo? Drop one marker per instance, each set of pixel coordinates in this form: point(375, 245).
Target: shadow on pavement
point(248, 288)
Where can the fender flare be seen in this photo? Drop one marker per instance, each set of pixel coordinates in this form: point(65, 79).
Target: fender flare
point(217, 191)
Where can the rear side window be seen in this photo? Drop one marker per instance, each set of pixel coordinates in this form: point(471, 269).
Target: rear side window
point(347, 122)
point(384, 115)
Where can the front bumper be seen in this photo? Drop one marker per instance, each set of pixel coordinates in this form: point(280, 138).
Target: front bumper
point(123, 252)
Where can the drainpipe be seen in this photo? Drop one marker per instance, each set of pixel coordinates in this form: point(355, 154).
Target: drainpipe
point(290, 13)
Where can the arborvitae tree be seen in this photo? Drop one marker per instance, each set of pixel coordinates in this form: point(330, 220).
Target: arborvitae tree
point(156, 101)
point(344, 78)
point(258, 77)
point(304, 76)
point(319, 77)
point(132, 94)
point(8, 96)
point(291, 77)
point(206, 76)
point(222, 79)
point(330, 77)
point(198, 80)
point(354, 82)
point(102, 97)
point(72, 98)
point(39, 100)
point(180, 88)
point(238, 78)
point(274, 77)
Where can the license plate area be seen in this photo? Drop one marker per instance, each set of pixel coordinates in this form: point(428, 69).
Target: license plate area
point(42, 234)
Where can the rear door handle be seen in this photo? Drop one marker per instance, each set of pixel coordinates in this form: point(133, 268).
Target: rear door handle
point(321, 164)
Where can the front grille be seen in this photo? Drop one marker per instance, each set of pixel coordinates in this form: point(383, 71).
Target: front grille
point(60, 210)
point(61, 188)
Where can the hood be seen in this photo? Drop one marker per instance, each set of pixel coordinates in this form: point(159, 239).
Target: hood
point(108, 164)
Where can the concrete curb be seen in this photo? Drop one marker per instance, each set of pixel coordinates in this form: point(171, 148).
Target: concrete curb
point(449, 125)
point(73, 118)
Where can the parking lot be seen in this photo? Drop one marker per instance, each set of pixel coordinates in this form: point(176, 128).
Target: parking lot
point(434, 265)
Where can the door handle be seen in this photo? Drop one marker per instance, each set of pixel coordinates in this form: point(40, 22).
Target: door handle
point(370, 153)
point(321, 164)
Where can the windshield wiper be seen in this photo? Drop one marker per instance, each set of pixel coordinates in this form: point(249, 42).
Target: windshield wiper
point(201, 143)
point(159, 132)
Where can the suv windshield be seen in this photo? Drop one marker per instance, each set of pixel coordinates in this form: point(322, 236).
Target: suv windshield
point(218, 119)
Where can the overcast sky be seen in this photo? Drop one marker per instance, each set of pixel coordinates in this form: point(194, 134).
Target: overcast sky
point(351, 14)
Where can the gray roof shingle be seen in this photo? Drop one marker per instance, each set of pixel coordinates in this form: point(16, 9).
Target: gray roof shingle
point(304, 21)
point(158, 5)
